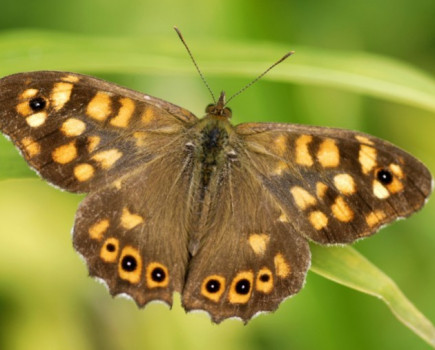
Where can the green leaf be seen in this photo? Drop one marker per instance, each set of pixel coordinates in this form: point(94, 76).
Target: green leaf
point(346, 266)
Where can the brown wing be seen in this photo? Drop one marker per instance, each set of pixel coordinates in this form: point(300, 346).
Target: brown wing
point(249, 258)
point(334, 185)
point(81, 133)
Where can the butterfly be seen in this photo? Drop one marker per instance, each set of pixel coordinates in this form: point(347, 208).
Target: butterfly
point(221, 214)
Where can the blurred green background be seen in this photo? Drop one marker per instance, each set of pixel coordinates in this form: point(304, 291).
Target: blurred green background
point(46, 299)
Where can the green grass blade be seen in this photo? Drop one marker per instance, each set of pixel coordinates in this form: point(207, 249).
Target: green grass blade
point(346, 266)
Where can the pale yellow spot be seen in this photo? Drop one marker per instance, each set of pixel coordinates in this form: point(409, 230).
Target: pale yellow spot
point(93, 142)
point(375, 217)
point(345, 184)
point(117, 184)
point(31, 147)
point(364, 139)
point(341, 210)
point(258, 242)
point(397, 170)
point(395, 186)
point(264, 281)
point(28, 93)
point(328, 154)
point(303, 156)
point(71, 78)
point(37, 119)
point(110, 255)
point(318, 219)
point(124, 114)
point(283, 218)
point(130, 276)
point(151, 283)
point(73, 127)
point(107, 158)
point(129, 220)
point(236, 298)
point(83, 172)
point(65, 154)
point(280, 145)
point(140, 138)
point(99, 108)
point(24, 109)
point(216, 295)
point(60, 95)
point(302, 198)
point(321, 189)
point(280, 167)
point(379, 190)
point(282, 267)
point(148, 115)
point(97, 230)
point(367, 158)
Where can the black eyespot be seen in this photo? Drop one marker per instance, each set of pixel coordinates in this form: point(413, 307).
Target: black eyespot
point(110, 247)
point(384, 176)
point(264, 278)
point(213, 286)
point(129, 263)
point(243, 286)
point(37, 104)
point(158, 274)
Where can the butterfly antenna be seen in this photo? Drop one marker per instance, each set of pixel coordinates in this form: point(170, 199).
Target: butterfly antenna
point(288, 54)
point(194, 62)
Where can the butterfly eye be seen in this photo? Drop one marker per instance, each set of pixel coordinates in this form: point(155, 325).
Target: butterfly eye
point(384, 176)
point(37, 104)
point(227, 113)
point(129, 263)
point(209, 108)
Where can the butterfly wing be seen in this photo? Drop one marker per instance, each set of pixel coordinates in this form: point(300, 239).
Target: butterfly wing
point(80, 132)
point(334, 185)
point(86, 135)
point(249, 258)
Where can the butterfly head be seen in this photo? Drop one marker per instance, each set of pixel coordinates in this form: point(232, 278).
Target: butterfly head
point(218, 109)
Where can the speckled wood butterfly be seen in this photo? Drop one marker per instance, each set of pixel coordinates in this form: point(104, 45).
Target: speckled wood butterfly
point(219, 213)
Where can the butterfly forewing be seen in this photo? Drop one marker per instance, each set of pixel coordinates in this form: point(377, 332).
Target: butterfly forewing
point(81, 133)
point(335, 185)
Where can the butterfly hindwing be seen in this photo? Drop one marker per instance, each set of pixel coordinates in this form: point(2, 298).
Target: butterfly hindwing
point(340, 185)
point(80, 132)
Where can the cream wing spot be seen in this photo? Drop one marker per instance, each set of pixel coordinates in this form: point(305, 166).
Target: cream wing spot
point(280, 145)
point(397, 170)
point(379, 190)
point(107, 158)
point(24, 109)
point(93, 142)
point(375, 217)
point(367, 158)
point(71, 78)
point(302, 198)
point(125, 113)
point(318, 219)
point(65, 154)
point(129, 220)
point(345, 184)
point(83, 172)
point(280, 168)
point(100, 107)
point(37, 119)
point(282, 267)
point(303, 156)
point(28, 93)
point(258, 242)
point(321, 189)
point(31, 147)
point(60, 95)
point(73, 127)
point(97, 230)
point(147, 115)
point(364, 139)
point(328, 154)
point(341, 210)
